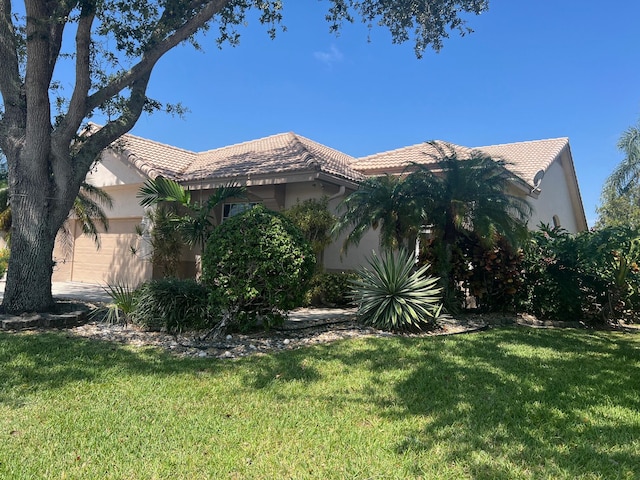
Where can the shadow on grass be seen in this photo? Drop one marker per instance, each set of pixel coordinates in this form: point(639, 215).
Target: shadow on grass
point(32, 362)
point(504, 403)
point(507, 403)
point(558, 403)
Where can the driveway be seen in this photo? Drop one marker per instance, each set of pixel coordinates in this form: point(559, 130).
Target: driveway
point(85, 292)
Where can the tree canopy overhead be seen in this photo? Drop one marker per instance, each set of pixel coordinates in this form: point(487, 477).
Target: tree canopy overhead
point(620, 197)
point(113, 46)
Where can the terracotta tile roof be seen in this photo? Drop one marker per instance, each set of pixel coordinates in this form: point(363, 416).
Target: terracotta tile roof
point(394, 161)
point(289, 153)
point(154, 158)
point(526, 159)
point(277, 154)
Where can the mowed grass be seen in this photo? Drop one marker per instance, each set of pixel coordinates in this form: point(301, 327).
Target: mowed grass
point(507, 403)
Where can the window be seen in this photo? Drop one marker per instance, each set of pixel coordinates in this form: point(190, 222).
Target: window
point(232, 209)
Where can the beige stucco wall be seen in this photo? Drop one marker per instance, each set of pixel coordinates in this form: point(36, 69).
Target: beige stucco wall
point(554, 199)
point(110, 170)
point(335, 258)
point(78, 259)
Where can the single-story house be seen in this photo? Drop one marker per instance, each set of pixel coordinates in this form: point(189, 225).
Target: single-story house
point(280, 171)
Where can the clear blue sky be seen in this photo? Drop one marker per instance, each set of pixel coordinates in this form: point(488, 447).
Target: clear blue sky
point(533, 69)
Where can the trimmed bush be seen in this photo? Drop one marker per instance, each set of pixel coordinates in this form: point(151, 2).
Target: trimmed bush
point(391, 295)
point(330, 289)
point(256, 266)
point(171, 304)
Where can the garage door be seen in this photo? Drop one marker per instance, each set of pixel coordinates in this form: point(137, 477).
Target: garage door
point(113, 263)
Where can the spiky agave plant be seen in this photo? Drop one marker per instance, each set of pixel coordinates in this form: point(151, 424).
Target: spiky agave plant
point(392, 295)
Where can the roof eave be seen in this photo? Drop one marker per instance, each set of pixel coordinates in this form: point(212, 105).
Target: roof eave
point(252, 180)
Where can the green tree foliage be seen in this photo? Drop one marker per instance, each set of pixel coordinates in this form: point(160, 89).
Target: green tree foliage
point(316, 222)
point(620, 198)
point(619, 208)
point(257, 266)
point(112, 46)
point(591, 276)
point(627, 173)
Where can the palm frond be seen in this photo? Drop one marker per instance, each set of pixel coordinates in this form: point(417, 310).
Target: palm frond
point(163, 189)
point(627, 172)
point(96, 194)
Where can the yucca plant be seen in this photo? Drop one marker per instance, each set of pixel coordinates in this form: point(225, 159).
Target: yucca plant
point(392, 295)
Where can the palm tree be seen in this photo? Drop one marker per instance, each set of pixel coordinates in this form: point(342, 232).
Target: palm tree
point(195, 224)
point(383, 202)
point(471, 195)
point(627, 172)
point(467, 197)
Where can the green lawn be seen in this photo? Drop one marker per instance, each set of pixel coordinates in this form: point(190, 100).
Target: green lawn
point(506, 403)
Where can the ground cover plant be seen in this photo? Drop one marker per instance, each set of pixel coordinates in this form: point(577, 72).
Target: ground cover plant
point(505, 403)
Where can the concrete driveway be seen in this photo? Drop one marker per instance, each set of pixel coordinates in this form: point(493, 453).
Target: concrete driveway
point(85, 292)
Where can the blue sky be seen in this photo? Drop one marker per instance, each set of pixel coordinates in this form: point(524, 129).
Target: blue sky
point(533, 69)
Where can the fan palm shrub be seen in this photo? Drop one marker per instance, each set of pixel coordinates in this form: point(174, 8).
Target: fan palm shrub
point(392, 295)
point(120, 308)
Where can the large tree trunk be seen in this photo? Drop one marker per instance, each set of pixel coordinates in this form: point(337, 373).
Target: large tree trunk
point(38, 209)
point(30, 265)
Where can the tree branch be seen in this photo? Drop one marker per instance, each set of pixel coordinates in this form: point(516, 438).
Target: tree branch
point(77, 105)
point(10, 83)
point(150, 58)
point(98, 141)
